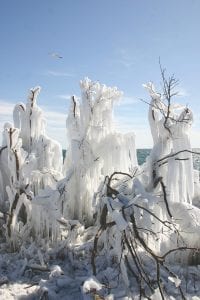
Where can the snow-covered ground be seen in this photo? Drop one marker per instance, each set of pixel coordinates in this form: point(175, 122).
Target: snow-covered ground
point(25, 278)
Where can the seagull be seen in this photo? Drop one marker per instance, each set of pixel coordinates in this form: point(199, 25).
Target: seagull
point(55, 55)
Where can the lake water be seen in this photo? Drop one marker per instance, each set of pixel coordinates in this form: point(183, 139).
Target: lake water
point(142, 155)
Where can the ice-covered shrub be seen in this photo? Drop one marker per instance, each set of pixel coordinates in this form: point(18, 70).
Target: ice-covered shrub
point(30, 161)
point(95, 148)
point(171, 156)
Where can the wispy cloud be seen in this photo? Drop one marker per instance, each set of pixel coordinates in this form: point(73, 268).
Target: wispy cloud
point(182, 92)
point(64, 96)
point(124, 58)
point(6, 112)
point(6, 107)
point(55, 118)
point(58, 74)
point(67, 97)
point(128, 100)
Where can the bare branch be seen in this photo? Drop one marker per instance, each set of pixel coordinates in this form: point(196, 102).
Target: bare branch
point(174, 154)
point(74, 108)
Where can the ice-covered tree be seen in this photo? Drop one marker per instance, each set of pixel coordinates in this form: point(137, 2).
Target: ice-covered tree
point(30, 161)
point(171, 157)
point(95, 148)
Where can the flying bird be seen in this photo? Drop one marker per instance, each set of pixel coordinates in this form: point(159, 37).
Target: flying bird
point(55, 55)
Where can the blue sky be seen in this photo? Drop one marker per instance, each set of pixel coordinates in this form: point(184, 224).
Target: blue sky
point(117, 42)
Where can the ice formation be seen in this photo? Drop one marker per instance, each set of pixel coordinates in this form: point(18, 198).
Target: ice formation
point(102, 213)
point(171, 156)
point(169, 172)
point(95, 148)
point(30, 161)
